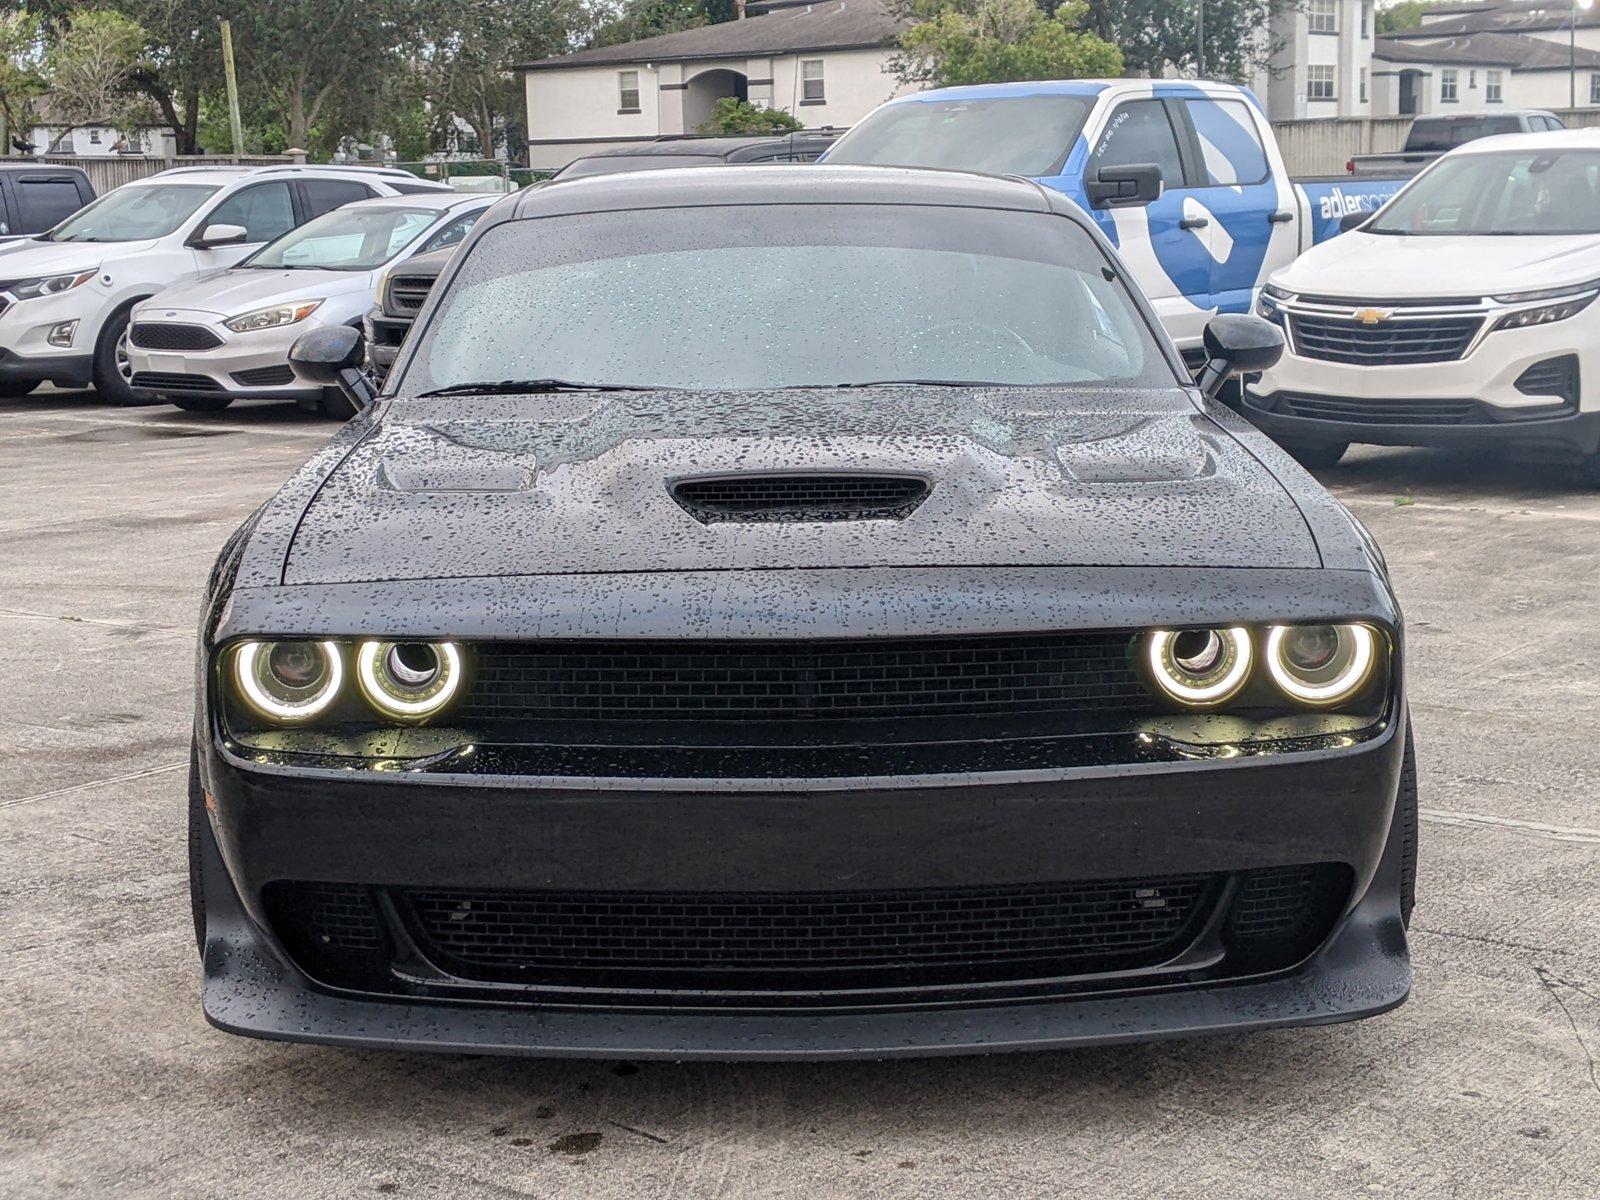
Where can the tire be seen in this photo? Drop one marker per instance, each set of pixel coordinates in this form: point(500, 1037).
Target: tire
point(200, 403)
point(17, 387)
point(1406, 814)
point(197, 875)
point(110, 372)
point(1589, 470)
point(1316, 454)
point(336, 406)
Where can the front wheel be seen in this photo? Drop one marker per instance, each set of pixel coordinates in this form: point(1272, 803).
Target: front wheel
point(113, 364)
point(197, 824)
point(1316, 454)
point(200, 403)
point(1408, 816)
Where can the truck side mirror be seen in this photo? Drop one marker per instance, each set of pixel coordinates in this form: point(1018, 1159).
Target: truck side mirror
point(1127, 186)
point(1237, 344)
point(332, 357)
point(1355, 220)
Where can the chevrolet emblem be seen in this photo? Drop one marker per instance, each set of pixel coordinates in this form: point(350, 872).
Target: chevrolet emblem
point(1371, 316)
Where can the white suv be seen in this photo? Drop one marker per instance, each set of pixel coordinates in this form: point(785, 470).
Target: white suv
point(65, 295)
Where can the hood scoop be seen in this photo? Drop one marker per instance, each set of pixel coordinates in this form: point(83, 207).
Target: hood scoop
point(800, 496)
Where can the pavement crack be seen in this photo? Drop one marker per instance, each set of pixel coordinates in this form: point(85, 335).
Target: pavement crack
point(644, 1133)
point(1488, 941)
point(1550, 983)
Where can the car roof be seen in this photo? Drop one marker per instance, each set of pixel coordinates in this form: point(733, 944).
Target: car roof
point(753, 184)
point(1087, 88)
point(439, 200)
point(224, 174)
point(1554, 139)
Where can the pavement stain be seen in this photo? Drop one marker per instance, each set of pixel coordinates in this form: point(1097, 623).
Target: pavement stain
point(574, 1144)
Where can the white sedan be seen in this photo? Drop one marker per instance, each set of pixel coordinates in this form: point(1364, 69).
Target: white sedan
point(204, 344)
point(1461, 313)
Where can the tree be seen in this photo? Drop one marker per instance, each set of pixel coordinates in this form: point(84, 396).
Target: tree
point(1405, 15)
point(995, 41)
point(733, 117)
point(20, 80)
point(1157, 34)
point(90, 67)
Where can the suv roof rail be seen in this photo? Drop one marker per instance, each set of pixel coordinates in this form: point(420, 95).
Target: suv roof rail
point(268, 168)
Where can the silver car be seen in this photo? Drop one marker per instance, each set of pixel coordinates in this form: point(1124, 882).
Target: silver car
point(202, 345)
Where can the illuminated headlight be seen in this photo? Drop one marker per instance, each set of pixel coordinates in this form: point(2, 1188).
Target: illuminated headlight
point(1198, 668)
point(271, 318)
point(1321, 665)
point(409, 681)
point(49, 285)
point(1547, 313)
point(288, 681)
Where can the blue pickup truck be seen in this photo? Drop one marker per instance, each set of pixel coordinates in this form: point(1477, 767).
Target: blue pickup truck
point(1184, 177)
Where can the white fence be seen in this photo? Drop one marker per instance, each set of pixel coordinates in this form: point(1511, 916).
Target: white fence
point(110, 172)
point(1323, 146)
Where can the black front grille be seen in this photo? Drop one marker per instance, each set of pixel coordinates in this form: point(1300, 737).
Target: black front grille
point(1387, 343)
point(408, 292)
point(809, 938)
point(687, 947)
point(1363, 410)
point(148, 335)
point(278, 376)
point(800, 497)
point(765, 681)
point(161, 381)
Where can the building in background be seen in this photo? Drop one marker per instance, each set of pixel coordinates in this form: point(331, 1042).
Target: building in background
point(824, 62)
point(1320, 62)
point(50, 132)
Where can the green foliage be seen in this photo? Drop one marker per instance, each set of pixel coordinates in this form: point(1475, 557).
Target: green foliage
point(90, 65)
point(1156, 35)
point(998, 41)
point(733, 117)
point(20, 79)
point(1405, 15)
point(637, 19)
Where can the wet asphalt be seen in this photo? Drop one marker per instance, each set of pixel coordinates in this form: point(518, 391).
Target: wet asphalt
point(112, 1084)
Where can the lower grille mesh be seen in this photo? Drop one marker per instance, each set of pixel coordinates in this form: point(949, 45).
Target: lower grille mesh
point(563, 935)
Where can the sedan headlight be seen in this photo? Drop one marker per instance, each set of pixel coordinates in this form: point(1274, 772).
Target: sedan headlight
point(1199, 668)
point(409, 681)
point(49, 285)
point(288, 681)
point(271, 318)
point(1321, 665)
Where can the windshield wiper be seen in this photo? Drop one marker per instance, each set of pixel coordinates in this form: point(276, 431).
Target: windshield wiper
point(512, 387)
point(872, 383)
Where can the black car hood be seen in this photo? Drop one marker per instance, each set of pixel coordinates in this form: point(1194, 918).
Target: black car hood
point(579, 483)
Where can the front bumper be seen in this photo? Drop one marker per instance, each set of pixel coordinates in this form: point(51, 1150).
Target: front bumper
point(246, 365)
point(396, 833)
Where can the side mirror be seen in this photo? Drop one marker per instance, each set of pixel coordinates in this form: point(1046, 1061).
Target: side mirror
point(332, 357)
point(1355, 220)
point(1124, 187)
point(1237, 344)
point(213, 236)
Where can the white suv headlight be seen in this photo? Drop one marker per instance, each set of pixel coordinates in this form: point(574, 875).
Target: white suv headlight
point(270, 318)
point(49, 285)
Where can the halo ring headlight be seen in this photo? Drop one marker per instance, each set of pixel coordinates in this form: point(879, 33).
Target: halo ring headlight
point(409, 681)
point(1321, 665)
point(289, 681)
point(1199, 668)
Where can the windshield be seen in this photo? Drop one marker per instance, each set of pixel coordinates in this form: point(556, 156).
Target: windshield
point(1012, 135)
point(133, 213)
point(347, 239)
point(1507, 192)
point(788, 296)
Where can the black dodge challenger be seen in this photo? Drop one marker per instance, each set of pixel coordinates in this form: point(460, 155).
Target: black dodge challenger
point(777, 613)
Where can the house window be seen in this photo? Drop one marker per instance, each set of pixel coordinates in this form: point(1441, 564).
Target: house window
point(1323, 16)
point(1472, 80)
point(1363, 85)
point(94, 137)
point(627, 91)
point(1319, 83)
point(1594, 89)
point(1447, 85)
point(1491, 86)
point(811, 81)
point(1366, 19)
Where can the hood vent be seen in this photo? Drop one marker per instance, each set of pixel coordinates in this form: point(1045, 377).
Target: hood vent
point(793, 496)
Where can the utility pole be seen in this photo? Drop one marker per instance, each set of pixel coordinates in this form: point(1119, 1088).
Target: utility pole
point(235, 123)
point(1572, 58)
point(1200, 41)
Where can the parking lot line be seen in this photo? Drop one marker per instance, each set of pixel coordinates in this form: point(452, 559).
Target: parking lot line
point(1558, 833)
point(1350, 501)
point(323, 432)
point(92, 783)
